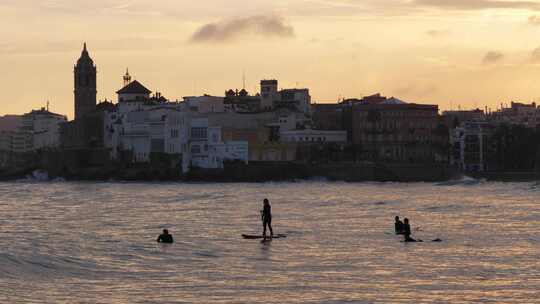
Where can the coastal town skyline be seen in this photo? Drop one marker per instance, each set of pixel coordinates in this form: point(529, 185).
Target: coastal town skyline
point(270, 151)
point(429, 52)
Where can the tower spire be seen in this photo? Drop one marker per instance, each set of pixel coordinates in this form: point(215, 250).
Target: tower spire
point(127, 78)
point(85, 84)
point(84, 51)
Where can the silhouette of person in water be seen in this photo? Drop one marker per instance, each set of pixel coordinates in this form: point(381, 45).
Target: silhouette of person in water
point(398, 226)
point(266, 214)
point(165, 237)
point(407, 231)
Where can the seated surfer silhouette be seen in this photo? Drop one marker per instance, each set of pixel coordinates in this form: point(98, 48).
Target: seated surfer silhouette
point(266, 215)
point(398, 226)
point(165, 237)
point(407, 231)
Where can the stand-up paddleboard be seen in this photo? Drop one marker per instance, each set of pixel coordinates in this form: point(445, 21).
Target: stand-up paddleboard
point(420, 241)
point(258, 236)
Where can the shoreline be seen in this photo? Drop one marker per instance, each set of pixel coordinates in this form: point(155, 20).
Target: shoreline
point(262, 172)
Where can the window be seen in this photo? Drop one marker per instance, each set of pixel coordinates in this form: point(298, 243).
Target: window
point(195, 149)
point(199, 133)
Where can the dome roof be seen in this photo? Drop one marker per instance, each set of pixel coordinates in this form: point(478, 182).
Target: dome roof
point(393, 100)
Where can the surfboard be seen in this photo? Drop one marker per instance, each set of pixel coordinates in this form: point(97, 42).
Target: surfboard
point(415, 241)
point(258, 236)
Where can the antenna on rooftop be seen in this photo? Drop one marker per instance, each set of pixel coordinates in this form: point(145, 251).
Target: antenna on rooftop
point(47, 106)
point(243, 79)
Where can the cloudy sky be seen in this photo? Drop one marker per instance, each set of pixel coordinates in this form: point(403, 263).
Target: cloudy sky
point(468, 53)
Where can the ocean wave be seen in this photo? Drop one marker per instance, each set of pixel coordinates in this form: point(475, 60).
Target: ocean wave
point(43, 266)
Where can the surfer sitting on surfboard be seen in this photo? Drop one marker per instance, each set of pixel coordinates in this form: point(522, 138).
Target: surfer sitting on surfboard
point(266, 215)
point(398, 226)
point(407, 231)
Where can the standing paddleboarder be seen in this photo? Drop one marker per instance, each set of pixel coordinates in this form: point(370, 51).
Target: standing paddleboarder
point(266, 215)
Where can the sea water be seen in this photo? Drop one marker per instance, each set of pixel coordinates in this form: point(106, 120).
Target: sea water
point(64, 242)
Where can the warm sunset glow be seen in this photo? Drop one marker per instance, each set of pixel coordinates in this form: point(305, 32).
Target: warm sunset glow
point(468, 53)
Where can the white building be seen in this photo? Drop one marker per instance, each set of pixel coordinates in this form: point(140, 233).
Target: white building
point(204, 104)
point(21, 141)
point(269, 93)
point(9, 125)
point(154, 130)
point(209, 151)
point(133, 91)
point(177, 135)
point(519, 113)
point(298, 99)
point(38, 129)
point(144, 125)
point(470, 146)
point(294, 99)
point(290, 120)
point(136, 97)
point(45, 128)
point(199, 142)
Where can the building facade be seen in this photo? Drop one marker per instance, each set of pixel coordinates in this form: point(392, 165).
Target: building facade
point(314, 136)
point(209, 151)
point(518, 113)
point(470, 146)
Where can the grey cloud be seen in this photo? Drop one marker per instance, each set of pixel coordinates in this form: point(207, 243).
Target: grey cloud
point(535, 55)
point(492, 57)
point(225, 31)
point(479, 4)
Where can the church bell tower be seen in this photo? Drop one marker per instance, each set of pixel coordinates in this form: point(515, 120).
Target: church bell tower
point(85, 85)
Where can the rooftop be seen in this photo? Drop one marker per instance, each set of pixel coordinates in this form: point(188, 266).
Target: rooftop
point(134, 87)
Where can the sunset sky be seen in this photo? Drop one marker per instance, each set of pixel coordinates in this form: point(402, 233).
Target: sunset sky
point(472, 53)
